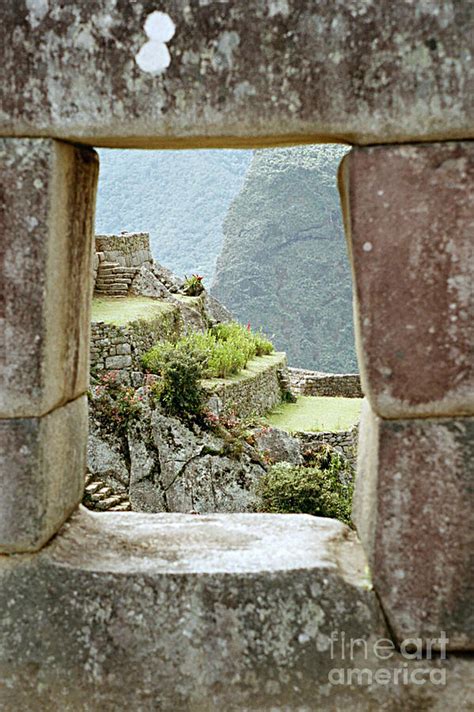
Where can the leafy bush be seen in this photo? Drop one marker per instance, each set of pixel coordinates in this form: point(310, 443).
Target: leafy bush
point(179, 388)
point(263, 346)
point(222, 351)
point(320, 489)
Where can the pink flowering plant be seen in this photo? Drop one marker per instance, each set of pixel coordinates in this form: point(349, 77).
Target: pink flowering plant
point(115, 404)
point(193, 285)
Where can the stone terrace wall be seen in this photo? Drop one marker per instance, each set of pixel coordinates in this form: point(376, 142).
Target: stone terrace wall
point(121, 347)
point(129, 249)
point(344, 441)
point(316, 383)
point(252, 392)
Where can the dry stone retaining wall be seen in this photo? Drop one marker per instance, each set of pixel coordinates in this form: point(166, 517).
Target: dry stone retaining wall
point(344, 441)
point(316, 383)
point(129, 249)
point(121, 347)
point(252, 392)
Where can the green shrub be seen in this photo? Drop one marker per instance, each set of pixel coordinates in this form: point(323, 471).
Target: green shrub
point(320, 489)
point(226, 359)
point(179, 388)
point(263, 346)
point(222, 351)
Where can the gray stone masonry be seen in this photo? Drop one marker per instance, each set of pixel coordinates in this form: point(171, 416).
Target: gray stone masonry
point(316, 383)
point(344, 441)
point(127, 250)
point(202, 613)
point(237, 612)
point(45, 266)
point(239, 73)
point(254, 391)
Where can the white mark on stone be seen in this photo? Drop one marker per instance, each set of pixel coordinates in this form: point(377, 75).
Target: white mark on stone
point(38, 9)
point(367, 246)
point(38, 183)
point(244, 90)
point(159, 27)
point(224, 56)
point(278, 7)
point(154, 56)
point(380, 192)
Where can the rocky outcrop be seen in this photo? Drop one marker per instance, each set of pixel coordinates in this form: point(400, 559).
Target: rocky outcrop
point(162, 464)
point(284, 266)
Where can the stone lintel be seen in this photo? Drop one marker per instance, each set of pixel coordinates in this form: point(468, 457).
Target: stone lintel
point(240, 74)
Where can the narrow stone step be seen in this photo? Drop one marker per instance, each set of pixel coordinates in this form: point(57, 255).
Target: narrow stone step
point(92, 488)
point(112, 280)
point(103, 492)
point(113, 290)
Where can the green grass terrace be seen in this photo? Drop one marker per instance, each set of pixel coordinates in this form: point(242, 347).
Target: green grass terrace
point(122, 310)
point(313, 414)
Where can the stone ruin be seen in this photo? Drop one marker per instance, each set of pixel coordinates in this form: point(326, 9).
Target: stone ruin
point(118, 259)
point(243, 611)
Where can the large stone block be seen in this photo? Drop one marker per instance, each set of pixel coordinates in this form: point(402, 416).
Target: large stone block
point(46, 223)
point(409, 214)
point(239, 73)
point(42, 469)
point(413, 508)
point(221, 612)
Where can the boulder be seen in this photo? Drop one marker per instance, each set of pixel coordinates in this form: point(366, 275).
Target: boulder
point(180, 468)
point(278, 445)
point(147, 284)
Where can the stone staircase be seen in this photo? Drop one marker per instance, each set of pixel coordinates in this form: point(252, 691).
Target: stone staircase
point(101, 498)
point(113, 279)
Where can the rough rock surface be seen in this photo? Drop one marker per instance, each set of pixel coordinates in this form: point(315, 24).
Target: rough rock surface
point(410, 216)
point(278, 445)
point(168, 466)
point(284, 266)
point(413, 511)
point(219, 612)
point(146, 284)
point(238, 73)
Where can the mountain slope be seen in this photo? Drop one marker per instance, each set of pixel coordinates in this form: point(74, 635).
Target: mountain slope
point(179, 197)
point(284, 265)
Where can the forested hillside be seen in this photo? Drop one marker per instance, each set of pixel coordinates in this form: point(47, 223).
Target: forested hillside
point(284, 265)
point(179, 197)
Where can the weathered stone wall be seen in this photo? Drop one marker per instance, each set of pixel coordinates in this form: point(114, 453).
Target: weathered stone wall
point(251, 392)
point(344, 441)
point(240, 610)
point(121, 347)
point(129, 249)
point(239, 73)
point(315, 383)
